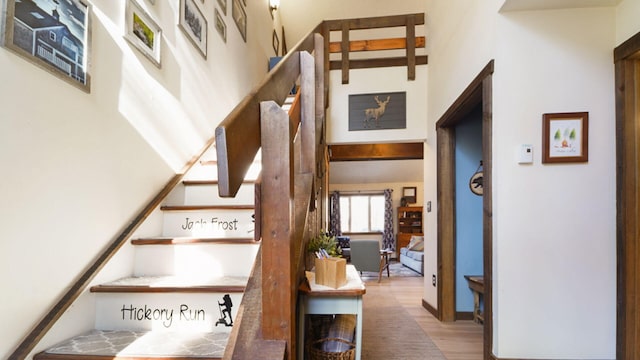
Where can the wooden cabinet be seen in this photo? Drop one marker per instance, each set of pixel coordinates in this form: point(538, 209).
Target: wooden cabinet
point(409, 224)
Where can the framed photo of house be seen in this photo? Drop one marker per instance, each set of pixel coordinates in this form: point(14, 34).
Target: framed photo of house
point(223, 6)
point(565, 137)
point(240, 18)
point(221, 27)
point(194, 25)
point(142, 32)
point(53, 34)
point(378, 111)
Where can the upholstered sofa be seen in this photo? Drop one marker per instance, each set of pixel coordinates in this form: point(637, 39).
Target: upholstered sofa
point(412, 256)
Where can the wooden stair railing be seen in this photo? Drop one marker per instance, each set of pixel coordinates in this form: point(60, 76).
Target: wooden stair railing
point(237, 141)
point(410, 43)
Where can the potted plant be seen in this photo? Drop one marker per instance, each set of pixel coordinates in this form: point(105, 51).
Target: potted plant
point(324, 241)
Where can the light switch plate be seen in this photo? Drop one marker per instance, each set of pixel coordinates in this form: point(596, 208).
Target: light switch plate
point(525, 154)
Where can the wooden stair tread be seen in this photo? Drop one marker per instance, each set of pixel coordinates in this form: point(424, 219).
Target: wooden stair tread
point(163, 284)
point(190, 240)
point(211, 182)
point(148, 345)
point(206, 207)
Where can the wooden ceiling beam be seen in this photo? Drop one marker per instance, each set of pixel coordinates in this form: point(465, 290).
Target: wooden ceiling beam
point(387, 151)
point(377, 44)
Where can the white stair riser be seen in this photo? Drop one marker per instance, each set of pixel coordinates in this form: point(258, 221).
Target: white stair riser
point(209, 223)
point(208, 194)
point(209, 260)
point(164, 311)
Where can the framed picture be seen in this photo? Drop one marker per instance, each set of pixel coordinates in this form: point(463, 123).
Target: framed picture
point(221, 27)
point(54, 35)
point(378, 111)
point(275, 42)
point(143, 32)
point(240, 18)
point(223, 6)
point(565, 137)
point(194, 25)
point(410, 194)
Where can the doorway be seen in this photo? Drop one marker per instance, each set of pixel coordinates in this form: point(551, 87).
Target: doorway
point(477, 94)
point(627, 72)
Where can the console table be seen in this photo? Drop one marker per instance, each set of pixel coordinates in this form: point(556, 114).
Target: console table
point(476, 284)
point(318, 299)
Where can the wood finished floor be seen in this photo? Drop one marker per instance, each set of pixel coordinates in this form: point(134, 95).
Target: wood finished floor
point(460, 340)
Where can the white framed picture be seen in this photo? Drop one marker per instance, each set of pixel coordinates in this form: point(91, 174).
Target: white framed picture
point(142, 31)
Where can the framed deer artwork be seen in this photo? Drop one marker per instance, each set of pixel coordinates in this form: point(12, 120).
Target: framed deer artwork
point(378, 111)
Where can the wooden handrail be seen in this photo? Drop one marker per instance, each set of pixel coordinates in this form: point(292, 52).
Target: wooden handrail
point(238, 135)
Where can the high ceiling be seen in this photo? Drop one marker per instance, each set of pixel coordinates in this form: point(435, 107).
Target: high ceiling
point(519, 5)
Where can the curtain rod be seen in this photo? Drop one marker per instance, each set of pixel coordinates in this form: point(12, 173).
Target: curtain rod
point(361, 192)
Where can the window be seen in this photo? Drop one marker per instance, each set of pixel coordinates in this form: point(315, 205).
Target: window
point(362, 213)
point(52, 36)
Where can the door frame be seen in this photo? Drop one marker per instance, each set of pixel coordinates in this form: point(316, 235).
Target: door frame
point(479, 92)
point(627, 93)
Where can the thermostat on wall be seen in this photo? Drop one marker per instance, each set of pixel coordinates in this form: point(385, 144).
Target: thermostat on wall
point(525, 154)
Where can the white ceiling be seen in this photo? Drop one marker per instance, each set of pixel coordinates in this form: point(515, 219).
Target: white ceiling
point(519, 5)
point(376, 171)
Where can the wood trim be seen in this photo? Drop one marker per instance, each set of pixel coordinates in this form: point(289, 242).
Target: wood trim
point(386, 151)
point(205, 207)
point(167, 289)
point(470, 97)
point(190, 241)
point(377, 44)
point(464, 315)
point(209, 182)
point(433, 311)
point(627, 88)
point(378, 63)
point(487, 208)
point(480, 91)
point(344, 63)
point(411, 48)
point(375, 22)
point(446, 218)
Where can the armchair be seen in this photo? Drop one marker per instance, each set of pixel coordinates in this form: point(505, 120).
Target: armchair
point(365, 256)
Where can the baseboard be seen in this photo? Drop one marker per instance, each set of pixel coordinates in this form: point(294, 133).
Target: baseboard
point(430, 308)
point(464, 315)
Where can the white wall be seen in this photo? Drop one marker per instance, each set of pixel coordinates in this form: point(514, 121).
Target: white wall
point(554, 243)
point(78, 166)
point(627, 23)
point(369, 81)
point(554, 237)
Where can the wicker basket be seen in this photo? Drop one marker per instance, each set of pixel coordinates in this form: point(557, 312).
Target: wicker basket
point(315, 353)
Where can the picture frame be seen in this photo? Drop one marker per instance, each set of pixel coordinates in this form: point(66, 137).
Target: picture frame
point(61, 37)
point(378, 111)
point(223, 6)
point(143, 32)
point(194, 25)
point(275, 42)
point(565, 137)
point(410, 194)
point(221, 27)
point(240, 18)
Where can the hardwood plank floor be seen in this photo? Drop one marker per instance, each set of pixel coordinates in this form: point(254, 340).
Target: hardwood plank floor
point(459, 340)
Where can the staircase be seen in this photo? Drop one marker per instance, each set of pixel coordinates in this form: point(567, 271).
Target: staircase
point(187, 284)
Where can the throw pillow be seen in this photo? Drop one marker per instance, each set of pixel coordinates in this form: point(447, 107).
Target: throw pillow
point(415, 240)
point(418, 246)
